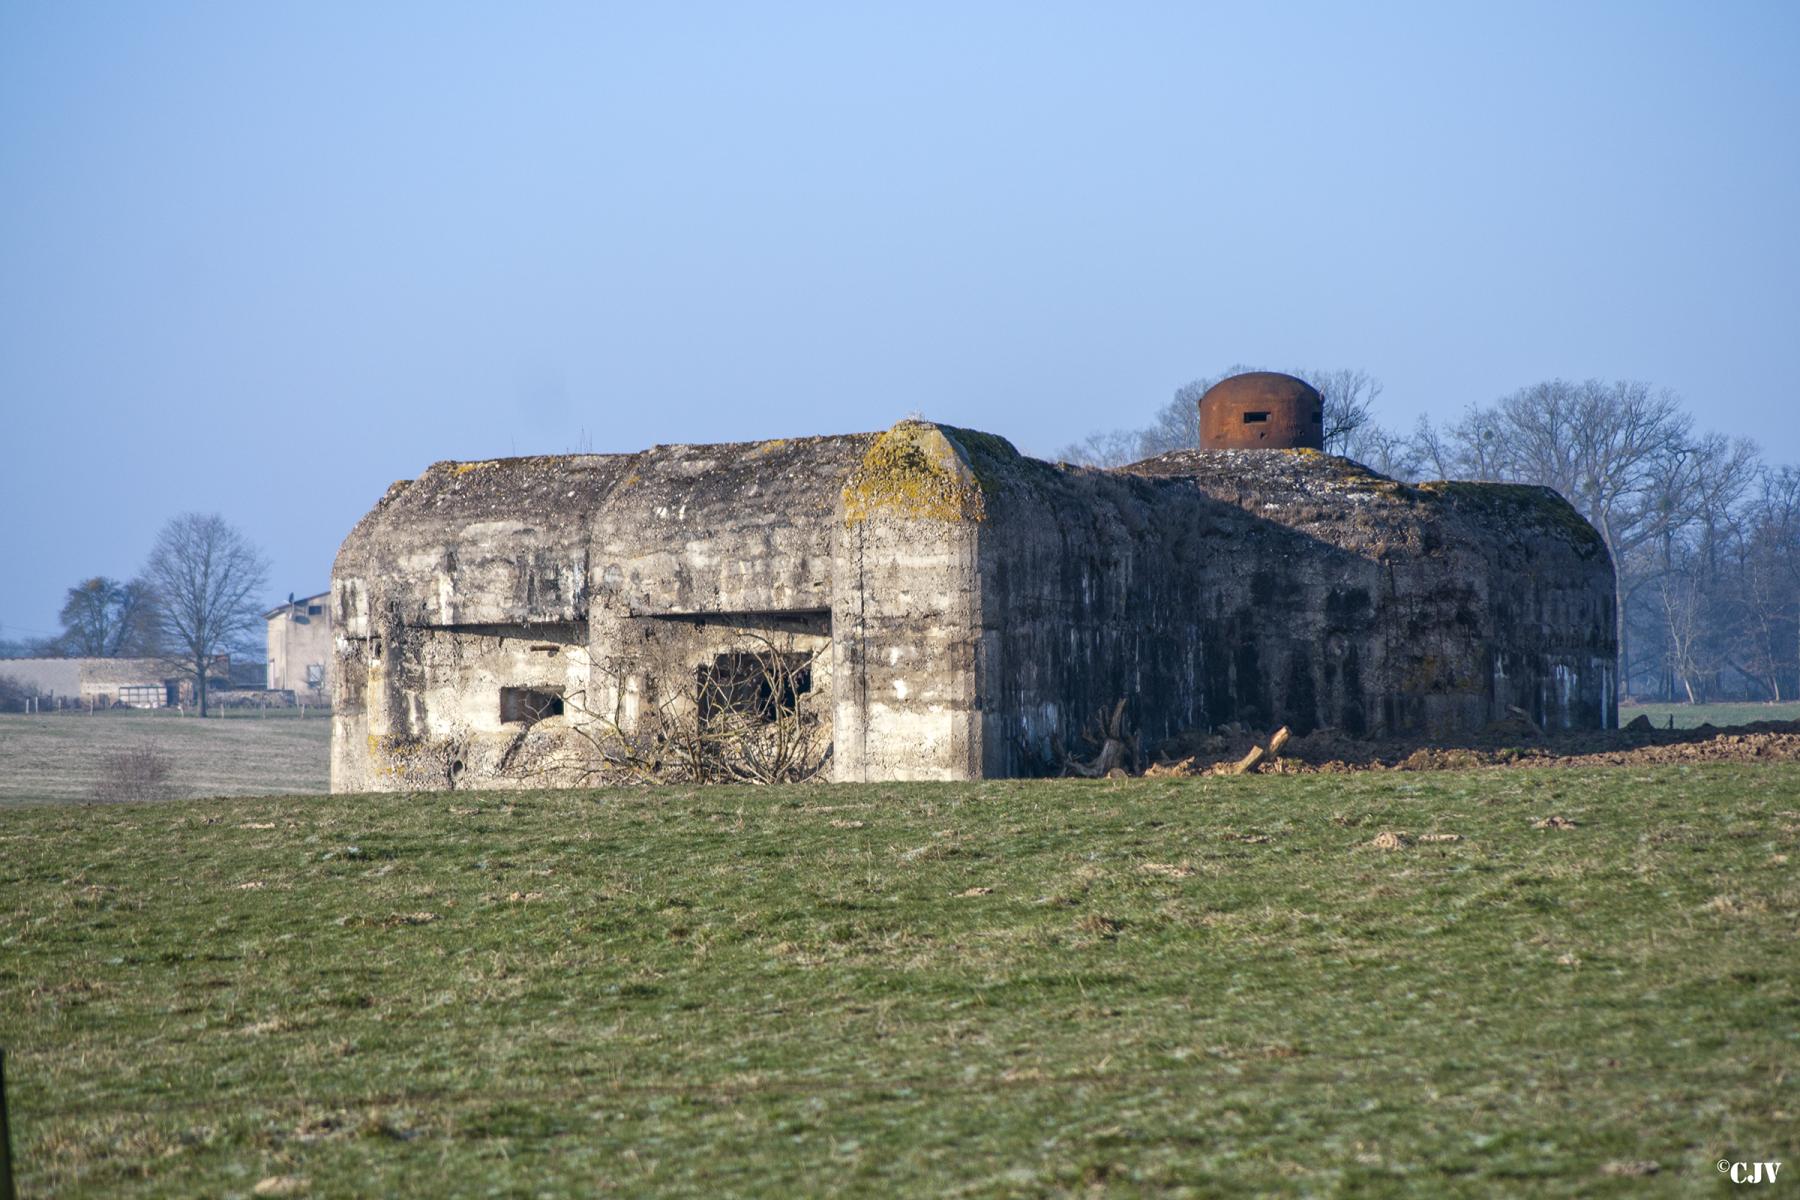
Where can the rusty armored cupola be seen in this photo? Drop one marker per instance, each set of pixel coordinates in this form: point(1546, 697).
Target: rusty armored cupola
point(1262, 410)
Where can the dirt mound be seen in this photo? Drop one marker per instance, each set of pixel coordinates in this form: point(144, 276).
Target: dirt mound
point(1328, 751)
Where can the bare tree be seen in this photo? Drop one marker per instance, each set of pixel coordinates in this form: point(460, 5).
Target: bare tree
point(1098, 449)
point(1611, 449)
point(1766, 583)
point(1392, 454)
point(1684, 608)
point(1349, 397)
point(36, 647)
point(1669, 502)
point(103, 618)
point(1607, 447)
point(208, 580)
point(1471, 448)
point(1176, 425)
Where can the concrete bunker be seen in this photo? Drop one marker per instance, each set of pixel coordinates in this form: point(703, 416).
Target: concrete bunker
point(928, 603)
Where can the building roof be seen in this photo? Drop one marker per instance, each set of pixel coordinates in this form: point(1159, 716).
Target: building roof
point(282, 609)
point(509, 540)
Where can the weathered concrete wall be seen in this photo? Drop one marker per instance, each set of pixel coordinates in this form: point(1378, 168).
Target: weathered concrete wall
point(1272, 588)
point(607, 579)
point(906, 622)
point(697, 545)
point(440, 594)
point(970, 608)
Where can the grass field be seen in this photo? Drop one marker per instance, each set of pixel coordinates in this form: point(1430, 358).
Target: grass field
point(59, 756)
point(1692, 716)
point(1173, 987)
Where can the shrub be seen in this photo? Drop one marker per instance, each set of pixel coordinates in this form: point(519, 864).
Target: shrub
point(137, 773)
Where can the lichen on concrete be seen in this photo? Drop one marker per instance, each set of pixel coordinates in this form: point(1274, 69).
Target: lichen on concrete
point(914, 471)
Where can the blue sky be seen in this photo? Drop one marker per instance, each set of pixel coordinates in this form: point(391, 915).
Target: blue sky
point(265, 259)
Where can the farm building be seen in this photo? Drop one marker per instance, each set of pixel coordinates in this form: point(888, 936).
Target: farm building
point(945, 607)
point(300, 647)
point(105, 682)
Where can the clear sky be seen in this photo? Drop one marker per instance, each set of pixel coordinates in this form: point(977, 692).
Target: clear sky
point(263, 259)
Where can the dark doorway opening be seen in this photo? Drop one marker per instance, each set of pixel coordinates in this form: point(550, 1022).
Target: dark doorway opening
point(764, 686)
point(529, 705)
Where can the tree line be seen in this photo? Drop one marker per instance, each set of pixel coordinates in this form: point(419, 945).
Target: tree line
point(198, 595)
point(1703, 531)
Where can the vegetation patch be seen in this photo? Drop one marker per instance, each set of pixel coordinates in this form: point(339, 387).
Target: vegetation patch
point(1197, 986)
point(1542, 506)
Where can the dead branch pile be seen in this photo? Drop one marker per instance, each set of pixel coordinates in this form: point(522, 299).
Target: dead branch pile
point(754, 721)
point(1118, 750)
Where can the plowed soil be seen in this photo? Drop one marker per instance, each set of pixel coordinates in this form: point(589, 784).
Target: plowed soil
point(1512, 746)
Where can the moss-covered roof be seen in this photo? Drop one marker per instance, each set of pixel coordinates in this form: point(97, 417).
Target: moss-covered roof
point(620, 506)
point(1307, 482)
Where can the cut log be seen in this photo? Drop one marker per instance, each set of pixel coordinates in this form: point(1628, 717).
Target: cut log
point(1259, 755)
point(1250, 761)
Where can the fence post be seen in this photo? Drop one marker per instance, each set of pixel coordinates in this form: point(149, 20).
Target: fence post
point(6, 1176)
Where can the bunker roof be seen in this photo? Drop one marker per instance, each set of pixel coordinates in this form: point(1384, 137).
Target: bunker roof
point(550, 515)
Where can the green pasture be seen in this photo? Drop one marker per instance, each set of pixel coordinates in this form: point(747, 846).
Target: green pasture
point(1189, 987)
